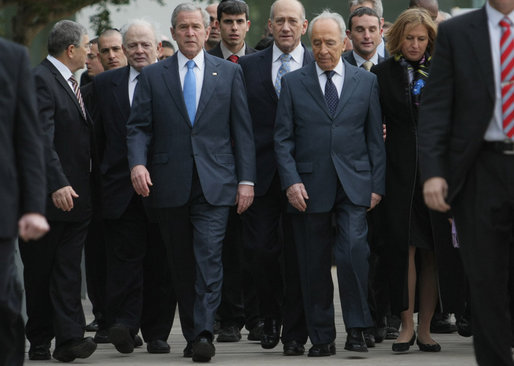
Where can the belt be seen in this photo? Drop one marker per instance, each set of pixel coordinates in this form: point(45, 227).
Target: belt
point(501, 147)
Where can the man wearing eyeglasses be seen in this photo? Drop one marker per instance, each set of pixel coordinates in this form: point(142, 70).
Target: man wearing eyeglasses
point(130, 234)
point(266, 222)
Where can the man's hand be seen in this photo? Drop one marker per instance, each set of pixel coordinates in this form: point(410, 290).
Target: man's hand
point(63, 198)
point(244, 197)
point(435, 191)
point(141, 180)
point(375, 200)
point(296, 194)
point(32, 226)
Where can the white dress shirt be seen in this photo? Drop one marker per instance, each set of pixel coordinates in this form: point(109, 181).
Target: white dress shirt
point(199, 70)
point(295, 63)
point(495, 130)
point(63, 70)
point(227, 53)
point(337, 78)
point(132, 82)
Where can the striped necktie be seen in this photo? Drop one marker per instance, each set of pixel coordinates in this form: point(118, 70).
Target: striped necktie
point(283, 69)
point(507, 76)
point(76, 90)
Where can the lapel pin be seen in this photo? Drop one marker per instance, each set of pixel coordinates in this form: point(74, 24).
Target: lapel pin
point(214, 74)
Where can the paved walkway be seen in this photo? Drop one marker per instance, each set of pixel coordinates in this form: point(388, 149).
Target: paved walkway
point(456, 351)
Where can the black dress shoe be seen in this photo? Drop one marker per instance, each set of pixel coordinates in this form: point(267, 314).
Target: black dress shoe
point(441, 323)
point(391, 333)
point(93, 326)
point(188, 350)
point(76, 348)
point(255, 334)
point(380, 334)
point(464, 327)
point(355, 341)
point(369, 338)
point(293, 348)
point(138, 342)
point(39, 352)
point(203, 349)
point(428, 347)
point(229, 334)
point(158, 346)
point(271, 333)
point(102, 336)
point(120, 336)
point(322, 350)
point(404, 346)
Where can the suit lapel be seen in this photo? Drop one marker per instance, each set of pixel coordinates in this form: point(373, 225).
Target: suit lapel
point(478, 34)
point(171, 78)
point(350, 83)
point(67, 88)
point(311, 82)
point(120, 92)
point(265, 72)
point(210, 78)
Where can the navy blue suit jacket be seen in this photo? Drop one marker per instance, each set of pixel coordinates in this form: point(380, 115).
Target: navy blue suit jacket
point(262, 101)
point(219, 144)
point(318, 149)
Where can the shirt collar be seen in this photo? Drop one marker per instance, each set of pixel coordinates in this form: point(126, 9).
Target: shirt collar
point(495, 16)
point(360, 60)
point(62, 68)
point(227, 53)
point(296, 54)
point(133, 74)
point(338, 69)
point(199, 60)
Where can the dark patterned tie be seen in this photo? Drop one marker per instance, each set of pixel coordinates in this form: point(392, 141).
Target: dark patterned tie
point(507, 76)
point(76, 90)
point(331, 92)
point(233, 58)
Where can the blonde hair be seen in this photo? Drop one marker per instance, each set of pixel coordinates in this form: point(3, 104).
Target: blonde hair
point(408, 19)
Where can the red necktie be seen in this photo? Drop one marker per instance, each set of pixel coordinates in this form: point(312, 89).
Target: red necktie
point(76, 89)
point(507, 76)
point(233, 58)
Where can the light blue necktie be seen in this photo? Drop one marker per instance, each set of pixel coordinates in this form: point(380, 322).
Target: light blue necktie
point(283, 69)
point(190, 90)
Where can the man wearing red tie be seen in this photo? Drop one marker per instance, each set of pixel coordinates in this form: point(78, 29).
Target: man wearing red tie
point(467, 160)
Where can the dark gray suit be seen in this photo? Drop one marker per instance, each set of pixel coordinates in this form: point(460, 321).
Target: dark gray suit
point(341, 160)
point(195, 169)
point(22, 186)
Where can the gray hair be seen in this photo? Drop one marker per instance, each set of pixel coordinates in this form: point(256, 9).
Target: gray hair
point(272, 9)
point(327, 14)
point(377, 5)
point(138, 22)
point(189, 7)
point(64, 34)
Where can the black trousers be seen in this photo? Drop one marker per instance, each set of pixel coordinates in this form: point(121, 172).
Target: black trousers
point(239, 302)
point(52, 277)
point(268, 236)
point(12, 332)
point(484, 216)
point(96, 267)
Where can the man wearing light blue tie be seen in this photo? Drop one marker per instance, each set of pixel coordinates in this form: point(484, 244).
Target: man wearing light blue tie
point(191, 152)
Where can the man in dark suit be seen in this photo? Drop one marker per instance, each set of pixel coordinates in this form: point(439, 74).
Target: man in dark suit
point(22, 192)
point(195, 165)
point(379, 8)
point(130, 235)
point(52, 265)
point(266, 226)
point(466, 161)
point(239, 304)
point(331, 160)
point(365, 32)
